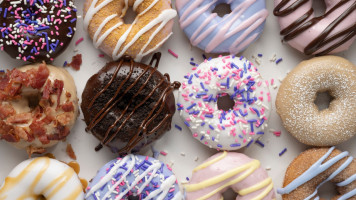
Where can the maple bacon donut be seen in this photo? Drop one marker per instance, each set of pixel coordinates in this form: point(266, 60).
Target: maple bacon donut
point(298, 91)
point(313, 168)
point(151, 28)
point(332, 32)
point(229, 170)
point(38, 106)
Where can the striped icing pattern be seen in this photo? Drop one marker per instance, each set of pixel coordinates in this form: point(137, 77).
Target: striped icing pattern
point(231, 33)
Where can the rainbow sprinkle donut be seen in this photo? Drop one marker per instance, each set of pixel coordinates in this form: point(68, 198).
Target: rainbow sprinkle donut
point(232, 33)
point(225, 103)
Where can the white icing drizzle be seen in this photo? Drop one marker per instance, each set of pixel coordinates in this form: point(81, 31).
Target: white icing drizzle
point(163, 18)
point(319, 167)
point(162, 191)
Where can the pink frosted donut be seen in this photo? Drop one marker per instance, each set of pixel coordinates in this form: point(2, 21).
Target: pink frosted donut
point(230, 170)
point(332, 32)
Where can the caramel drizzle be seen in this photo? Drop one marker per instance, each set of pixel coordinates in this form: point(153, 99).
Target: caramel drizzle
point(302, 24)
point(112, 102)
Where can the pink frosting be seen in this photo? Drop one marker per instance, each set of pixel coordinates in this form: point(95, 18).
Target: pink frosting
point(228, 163)
point(306, 37)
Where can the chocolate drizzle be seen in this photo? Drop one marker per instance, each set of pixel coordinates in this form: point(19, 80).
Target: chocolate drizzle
point(133, 106)
point(304, 23)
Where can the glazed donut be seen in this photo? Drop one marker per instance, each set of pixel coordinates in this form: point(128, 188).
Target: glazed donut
point(332, 32)
point(225, 103)
point(137, 176)
point(300, 115)
point(229, 170)
point(232, 33)
point(314, 167)
point(38, 106)
point(150, 29)
point(36, 30)
point(128, 105)
point(42, 177)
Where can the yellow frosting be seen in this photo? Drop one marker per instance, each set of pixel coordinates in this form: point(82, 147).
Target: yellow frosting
point(207, 164)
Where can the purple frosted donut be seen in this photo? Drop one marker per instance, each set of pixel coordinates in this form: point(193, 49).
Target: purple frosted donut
point(133, 176)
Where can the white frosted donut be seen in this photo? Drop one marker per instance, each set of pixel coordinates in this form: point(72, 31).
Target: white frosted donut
point(225, 103)
point(38, 106)
point(39, 177)
point(104, 21)
point(226, 170)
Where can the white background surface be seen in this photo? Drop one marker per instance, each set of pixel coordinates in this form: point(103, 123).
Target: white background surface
point(175, 142)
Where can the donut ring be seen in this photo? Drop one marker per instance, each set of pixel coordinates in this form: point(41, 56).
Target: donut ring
point(42, 177)
point(227, 169)
point(329, 33)
point(242, 115)
point(38, 106)
point(151, 28)
point(41, 37)
point(232, 33)
point(296, 95)
point(137, 176)
point(314, 167)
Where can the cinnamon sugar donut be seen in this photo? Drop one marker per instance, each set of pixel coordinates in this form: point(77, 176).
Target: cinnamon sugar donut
point(314, 167)
point(38, 106)
point(296, 95)
point(332, 32)
point(150, 29)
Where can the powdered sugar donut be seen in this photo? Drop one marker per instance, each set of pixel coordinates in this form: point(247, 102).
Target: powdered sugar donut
point(225, 103)
point(134, 177)
point(227, 169)
point(231, 33)
point(41, 177)
point(298, 91)
point(332, 32)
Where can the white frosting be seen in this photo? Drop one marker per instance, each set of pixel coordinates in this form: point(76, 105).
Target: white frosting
point(42, 176)
point(163, 18)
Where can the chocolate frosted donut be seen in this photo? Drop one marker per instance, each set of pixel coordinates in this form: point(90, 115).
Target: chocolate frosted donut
point(127, 105)
point(36, 30)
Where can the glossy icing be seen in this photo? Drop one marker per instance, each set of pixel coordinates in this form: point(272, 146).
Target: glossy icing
point(134, 175)
point(42, 176)
point(223, 170)
point(319, 167)
point(229, 129)
point(231, 33)
point(128, 39)
point(330, 33)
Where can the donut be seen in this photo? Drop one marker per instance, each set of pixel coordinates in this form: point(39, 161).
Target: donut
point(231, 33)
point(225, 103)
point(127, 105)
point(36, 30)
point(42, 177)
point(314, 167)
point(134, 177)
point(229, 170)
point(301, 116)
point(104, 21)
point(332, 32)
point(38, 106)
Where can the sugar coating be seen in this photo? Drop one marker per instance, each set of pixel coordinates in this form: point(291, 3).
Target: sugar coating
point(298, 91)
point(237, 127)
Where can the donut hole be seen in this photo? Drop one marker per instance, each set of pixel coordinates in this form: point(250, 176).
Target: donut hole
point(222, 9)
point(32, 97)
point(132, 197)
point(229, 194)
point(225, 102)
point(130, 16)
point(319, 7)
point(41, 197)
point(323, 100)
point(327, 190)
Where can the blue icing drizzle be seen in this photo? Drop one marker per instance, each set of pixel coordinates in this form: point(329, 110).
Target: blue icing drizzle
point(318, 168)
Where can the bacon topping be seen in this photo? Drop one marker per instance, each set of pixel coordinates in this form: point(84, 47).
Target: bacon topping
point(58, 86)
point(21, 118)
point(67, 107)
point(70, 152)
point(6, 110)
point(76, 62)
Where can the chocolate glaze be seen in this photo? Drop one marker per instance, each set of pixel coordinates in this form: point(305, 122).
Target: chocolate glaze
point(303, 24)
point(55, 43)
point(127, 105)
